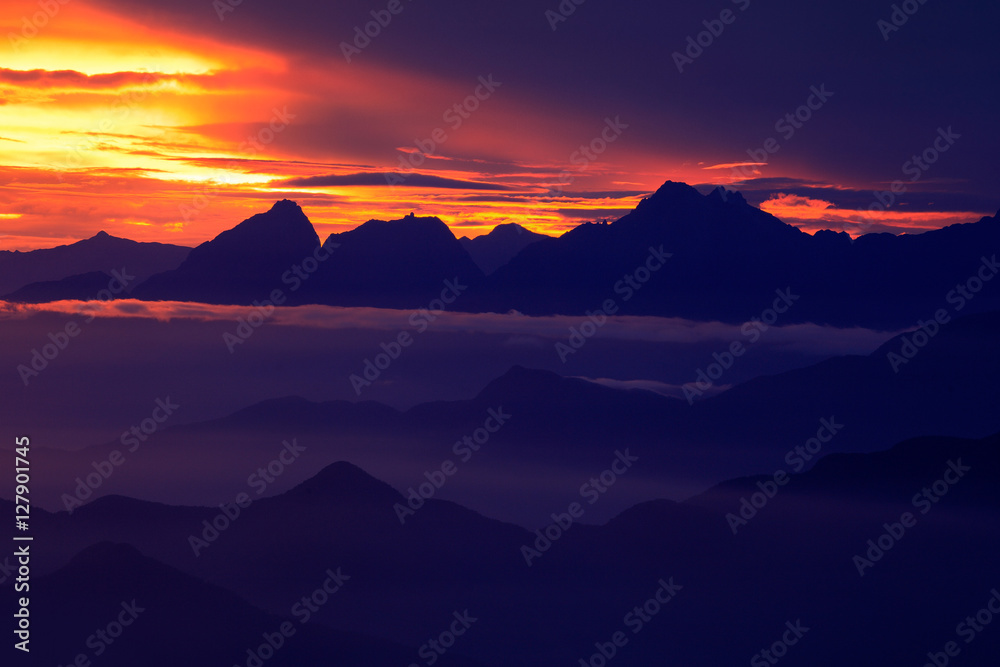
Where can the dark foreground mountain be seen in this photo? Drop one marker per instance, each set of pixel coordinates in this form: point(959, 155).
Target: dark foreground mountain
point(102, 252)
point(116, 607)
point(889, 549)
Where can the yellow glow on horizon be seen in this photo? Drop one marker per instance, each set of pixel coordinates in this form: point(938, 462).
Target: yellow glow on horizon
point(86, 39)
point(56, 55)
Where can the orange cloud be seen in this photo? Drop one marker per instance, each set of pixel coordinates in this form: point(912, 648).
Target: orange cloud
point(153, 133)
point(811, 215)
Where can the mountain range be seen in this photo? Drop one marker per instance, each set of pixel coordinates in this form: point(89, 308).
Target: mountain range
point(563, 430)
point(726, 261)
point(807, 556)
point(100, 253)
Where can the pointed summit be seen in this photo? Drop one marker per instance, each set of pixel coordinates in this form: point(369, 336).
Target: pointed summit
point(284, 204)
point(675, 189)
point(241, 264)
point(343, 481)
point(285, 225)
point(495, 249)
point(524, 384)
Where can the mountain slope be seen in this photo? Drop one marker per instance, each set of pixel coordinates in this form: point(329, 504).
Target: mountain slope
point(394, 264)
point(493, 250)
point(678, 254)
point(83, 287)
point(109, 584)
point(792, 559)
point(243, 264)
point(102, 252)
point(728, 258)
point(562, 431)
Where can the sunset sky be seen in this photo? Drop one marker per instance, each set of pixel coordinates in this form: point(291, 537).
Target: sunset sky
point(174, 121)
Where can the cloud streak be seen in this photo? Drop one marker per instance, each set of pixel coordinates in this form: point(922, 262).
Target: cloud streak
point(809, 338)
point(389, 179)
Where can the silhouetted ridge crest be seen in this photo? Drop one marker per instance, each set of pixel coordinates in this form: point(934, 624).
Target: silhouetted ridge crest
point(344, 481)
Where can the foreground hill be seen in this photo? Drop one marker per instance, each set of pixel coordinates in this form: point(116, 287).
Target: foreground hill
point(117, 607)
point(888, 548)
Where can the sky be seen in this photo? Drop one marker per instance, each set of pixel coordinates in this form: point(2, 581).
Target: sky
point(174, 121)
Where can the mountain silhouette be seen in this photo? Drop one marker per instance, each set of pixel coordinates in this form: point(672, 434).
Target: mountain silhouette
point(393, 264)
point(102, 252)
point(243, 264)
point(343, 481)
point(82, 287)
point(793, 559)
point(493, 250)
point(110, 583)
point(728, 258)
point(945, 389)
point(677, 254)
